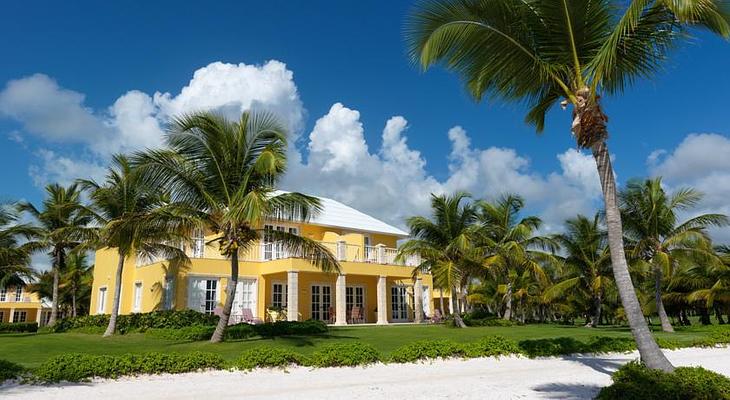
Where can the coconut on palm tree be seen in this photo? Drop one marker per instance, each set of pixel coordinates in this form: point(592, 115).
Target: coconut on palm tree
point(57, 223)
point(656, 236)
point(445, 242)
point(587, 265)
point(515, 254)
point(542, 53)
point(225, 172)
point(135, 219)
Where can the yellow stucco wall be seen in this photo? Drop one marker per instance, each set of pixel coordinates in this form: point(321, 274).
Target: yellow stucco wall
point(213, 266)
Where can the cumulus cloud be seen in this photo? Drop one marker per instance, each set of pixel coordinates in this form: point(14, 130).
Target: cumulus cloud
point(63, 170)
point(701, 162)
point(135, 120)
point(392, 182)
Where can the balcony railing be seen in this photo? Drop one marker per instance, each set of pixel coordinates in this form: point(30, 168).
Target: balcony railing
point(269, 251)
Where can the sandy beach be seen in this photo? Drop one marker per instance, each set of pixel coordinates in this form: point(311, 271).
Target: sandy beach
point(569, 377)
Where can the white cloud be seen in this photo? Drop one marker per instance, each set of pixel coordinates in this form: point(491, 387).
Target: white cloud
point(702, 162)
point(63, 170)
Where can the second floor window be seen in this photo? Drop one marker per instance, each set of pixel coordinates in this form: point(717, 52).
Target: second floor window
point(18, 293)
point(3, 294)
point(198, 244)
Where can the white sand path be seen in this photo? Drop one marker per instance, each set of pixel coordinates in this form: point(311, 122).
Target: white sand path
point(570, 377)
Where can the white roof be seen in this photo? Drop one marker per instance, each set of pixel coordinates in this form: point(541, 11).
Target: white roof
point(337, 215)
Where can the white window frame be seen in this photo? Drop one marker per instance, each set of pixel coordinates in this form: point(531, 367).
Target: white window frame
point(101, 299)
point(216, 296)
point(198, 250)
point(169, 301)
point(3, 294)
point(400, 314)
point(350, 304)
point(322, 310)
point(18, 293)
point(284, 294)
point(272, 250)
point(138, 294)
point(18, 313)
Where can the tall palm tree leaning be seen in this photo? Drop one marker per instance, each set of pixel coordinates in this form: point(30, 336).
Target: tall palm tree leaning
point(57, 223)
point(539, 52)
point(135, 219)
point(445, 243)
point(655, 235)
point(225, 172)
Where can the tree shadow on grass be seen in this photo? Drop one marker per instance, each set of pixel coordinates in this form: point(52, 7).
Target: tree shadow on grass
point(569, 391)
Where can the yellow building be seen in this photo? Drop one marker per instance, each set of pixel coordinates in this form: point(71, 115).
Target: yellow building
point(18, 305)
point(270, 278)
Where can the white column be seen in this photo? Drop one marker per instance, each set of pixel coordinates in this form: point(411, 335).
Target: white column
point(380, 253)
point(382, 302)
point(340, 303)
point(292, 296)
point(38, 315)
point(429, 302)
point(418, 301)
point(12, 314)
point(341, 250)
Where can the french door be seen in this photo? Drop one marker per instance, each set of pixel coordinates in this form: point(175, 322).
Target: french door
point(246, 294)
point(203, 295)
point(321, 302)
point(399, 303)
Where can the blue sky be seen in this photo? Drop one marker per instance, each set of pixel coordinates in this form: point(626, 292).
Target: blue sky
point(350, 53)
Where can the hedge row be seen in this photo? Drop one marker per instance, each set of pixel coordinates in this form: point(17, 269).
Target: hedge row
point(242, 331)
point(16, 327)
point(169, 319)
point(9, 370)
point(636, 381)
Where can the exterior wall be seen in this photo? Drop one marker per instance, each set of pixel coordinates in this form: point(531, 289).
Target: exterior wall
point(29, 302)
point(214, 266)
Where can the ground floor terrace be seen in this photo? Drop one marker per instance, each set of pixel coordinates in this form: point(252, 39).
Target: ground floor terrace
point(284, 289)
point(12, 312)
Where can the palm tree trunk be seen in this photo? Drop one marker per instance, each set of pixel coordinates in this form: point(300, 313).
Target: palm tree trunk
point(596, 319)
point(112, 327)
point(220, 330)
point(508, 306)
point(455, 303)
point(73, 302)
point(441, 301)
point(663, 318)
point(650, 352)
point(57, 266)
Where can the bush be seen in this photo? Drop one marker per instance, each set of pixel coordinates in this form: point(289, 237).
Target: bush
point(488, 322)
point(9, 370)
point(492, 346)
point(551, 347)
point(172, 319)
point(79, 367)
point(192, 333)
point(268, 357)
point(289, 328)
point(605, 344)
point(669, 344)
point(17, 327)
point(427, 349)
point(636, 381)
point(344, 354)
point(240, 331)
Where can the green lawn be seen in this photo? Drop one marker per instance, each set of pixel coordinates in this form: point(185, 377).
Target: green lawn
point(32, 349)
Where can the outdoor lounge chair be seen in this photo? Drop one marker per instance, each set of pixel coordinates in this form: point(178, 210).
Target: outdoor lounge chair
point(356, 316)
point(247, 317)
point(437, 317)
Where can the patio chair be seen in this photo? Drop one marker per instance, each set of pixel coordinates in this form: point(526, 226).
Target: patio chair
point(247, 317)
point(437, 317)
point(356, 316)
point(331, 315)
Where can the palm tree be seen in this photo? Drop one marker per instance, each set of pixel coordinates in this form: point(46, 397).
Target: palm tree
point(539, 52)
point(445, 243)
point(58, 221)
point(15, 266)
point(226, 173)
point(133, 218)
point(514, 253)
point(77, 279)
point(655, 236)
point(715, 282)
point(587, 265)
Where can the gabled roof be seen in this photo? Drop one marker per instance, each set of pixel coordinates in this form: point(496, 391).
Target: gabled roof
point(337, 215)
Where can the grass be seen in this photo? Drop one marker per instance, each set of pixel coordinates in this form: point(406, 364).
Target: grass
point(29, 350)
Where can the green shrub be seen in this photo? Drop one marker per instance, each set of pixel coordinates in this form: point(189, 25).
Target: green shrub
point(172, 319)
point(492, 346)
point(427, 349)
point(606, 344)
point(17, 327)
point(291, 328)
point(635, 381)
point(669, 344)
point(268, 357)
point(79, 367)
point(344, 354)
point(192, 333)
point(551, 347)
point(9, 370)
point(489, 322)
point(240, 331)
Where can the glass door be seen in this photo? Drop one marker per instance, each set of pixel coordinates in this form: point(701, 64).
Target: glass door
point(399, 304)
point(321, 302)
